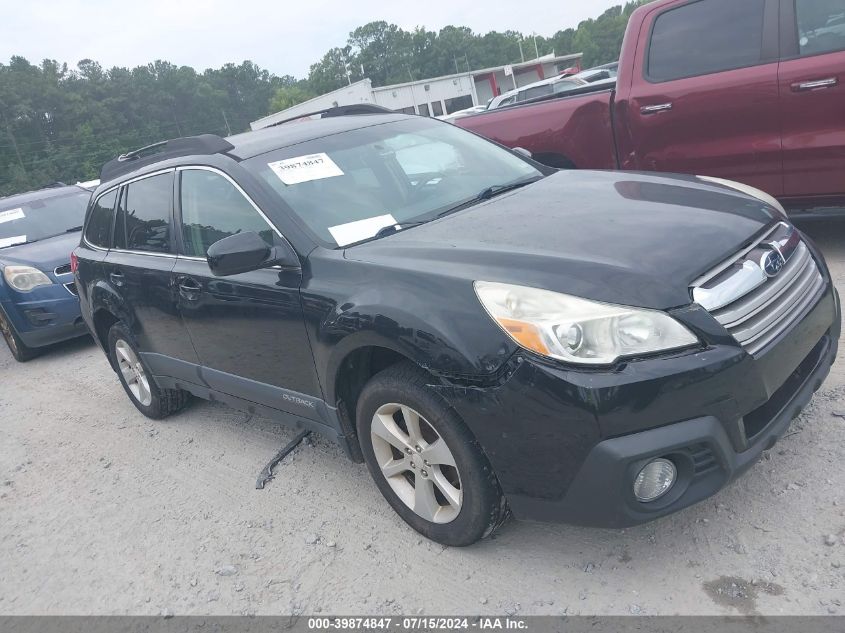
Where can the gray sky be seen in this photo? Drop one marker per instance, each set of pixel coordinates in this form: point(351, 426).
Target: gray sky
point(282, 36)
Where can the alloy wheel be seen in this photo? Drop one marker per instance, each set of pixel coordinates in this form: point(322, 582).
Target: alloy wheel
point(417, 463)
point(133, 373)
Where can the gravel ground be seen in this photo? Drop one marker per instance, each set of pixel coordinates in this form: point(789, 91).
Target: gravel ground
point(103, 511)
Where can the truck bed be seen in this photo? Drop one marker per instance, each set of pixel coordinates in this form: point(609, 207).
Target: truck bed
point(584, 141)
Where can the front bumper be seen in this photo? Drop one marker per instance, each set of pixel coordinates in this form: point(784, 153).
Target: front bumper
point(45, 316)
point(567, 445)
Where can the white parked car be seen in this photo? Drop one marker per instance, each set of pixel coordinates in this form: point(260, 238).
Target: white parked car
point(462, 113)
point(555, 85)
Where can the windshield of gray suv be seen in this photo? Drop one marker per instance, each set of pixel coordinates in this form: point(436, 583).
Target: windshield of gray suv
point(352, 186)
point(36, 220)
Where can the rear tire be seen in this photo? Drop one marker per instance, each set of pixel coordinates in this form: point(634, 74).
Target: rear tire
point(20, 351)
point(136, 378)
point(425, 461)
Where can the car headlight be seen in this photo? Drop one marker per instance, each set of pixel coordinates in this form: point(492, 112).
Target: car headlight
point(748, 190)
point(577, 330)
point(25, 278)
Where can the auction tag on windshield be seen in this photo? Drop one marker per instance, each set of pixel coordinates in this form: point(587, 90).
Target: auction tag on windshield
point(359, 230)
point(11, 241)
point(292, 171)
point(11, 214)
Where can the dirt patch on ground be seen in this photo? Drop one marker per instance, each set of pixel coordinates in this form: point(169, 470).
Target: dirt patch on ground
point(730, 591)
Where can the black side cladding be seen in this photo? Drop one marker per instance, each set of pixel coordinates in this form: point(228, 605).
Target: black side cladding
point(202, 145)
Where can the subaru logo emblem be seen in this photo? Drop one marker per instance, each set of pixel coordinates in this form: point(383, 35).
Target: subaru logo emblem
point(772, 263)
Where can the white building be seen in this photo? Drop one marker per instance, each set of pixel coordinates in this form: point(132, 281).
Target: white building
point(436, 96)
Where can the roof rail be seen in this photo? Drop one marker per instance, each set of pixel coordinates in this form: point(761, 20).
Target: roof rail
point(202, 145)
point(345, 110)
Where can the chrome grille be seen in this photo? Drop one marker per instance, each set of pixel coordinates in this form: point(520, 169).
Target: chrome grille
point(754, 307)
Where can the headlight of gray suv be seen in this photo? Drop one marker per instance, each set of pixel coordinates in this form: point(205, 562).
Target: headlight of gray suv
point(25, 278)
point(578, 330)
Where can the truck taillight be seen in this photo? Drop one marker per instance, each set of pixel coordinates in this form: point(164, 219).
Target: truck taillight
point(74, 262)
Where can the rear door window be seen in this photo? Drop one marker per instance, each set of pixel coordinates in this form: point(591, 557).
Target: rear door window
point(144, 215)
point(98, 230)
point(821, 26)
point(705, 37)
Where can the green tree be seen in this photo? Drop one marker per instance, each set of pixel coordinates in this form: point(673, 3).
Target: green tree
point(289, 96)
point(330, 73)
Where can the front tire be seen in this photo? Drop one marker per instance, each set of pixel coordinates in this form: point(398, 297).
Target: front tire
point(20, 351)
point(425, 461)
point(137, 381)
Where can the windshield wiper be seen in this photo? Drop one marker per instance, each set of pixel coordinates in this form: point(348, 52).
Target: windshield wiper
point(74, 229)
point(395, 228)
point(497, 190)
point(484, 194)
point(489, 192)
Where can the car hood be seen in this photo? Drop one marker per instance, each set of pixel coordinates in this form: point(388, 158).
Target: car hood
point(46, 255)
point(620, 237)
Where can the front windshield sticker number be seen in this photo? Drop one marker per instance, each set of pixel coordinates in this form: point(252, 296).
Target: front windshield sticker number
point(293, 171)
point(11, 241)
point(359, 230)
point(12, 214)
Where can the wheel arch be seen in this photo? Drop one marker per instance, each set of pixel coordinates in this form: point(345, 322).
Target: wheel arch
point(104, 319)
point(354, 365)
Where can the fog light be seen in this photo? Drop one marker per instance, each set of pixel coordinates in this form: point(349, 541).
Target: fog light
point(655, 480)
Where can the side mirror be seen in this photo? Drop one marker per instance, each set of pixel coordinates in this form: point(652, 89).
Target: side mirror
point(244, 252)
point(523, 152)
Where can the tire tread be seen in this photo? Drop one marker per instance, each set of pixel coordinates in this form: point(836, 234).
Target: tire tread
point(165, 402)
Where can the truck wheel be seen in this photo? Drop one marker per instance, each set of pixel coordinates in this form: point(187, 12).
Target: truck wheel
point(20, 351)
point(425, 461)
point(137, 381)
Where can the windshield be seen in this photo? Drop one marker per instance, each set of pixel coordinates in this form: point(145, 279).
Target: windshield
point(39, 219)
point(346, 187)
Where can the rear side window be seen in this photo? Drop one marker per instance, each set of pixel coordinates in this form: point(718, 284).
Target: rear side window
point(566, 86)
point(536, 91)
point(706, 37)
point(213, 208)
point(821, 26)
point(143, 215)
point(98, 231)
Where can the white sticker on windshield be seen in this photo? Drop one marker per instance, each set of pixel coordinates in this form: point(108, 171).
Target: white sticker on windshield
point(11, 214)
point(292, 171)
point(11, 241)
point(359, 230)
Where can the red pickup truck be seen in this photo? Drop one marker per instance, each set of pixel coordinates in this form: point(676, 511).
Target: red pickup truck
point(747, 90)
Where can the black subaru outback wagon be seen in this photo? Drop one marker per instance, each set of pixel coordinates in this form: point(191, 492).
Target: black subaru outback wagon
point(488, 335)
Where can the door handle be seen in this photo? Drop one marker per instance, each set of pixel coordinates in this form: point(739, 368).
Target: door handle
point(815, 85)
point(189, 288)
point(117, 279)
point(654, 109)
